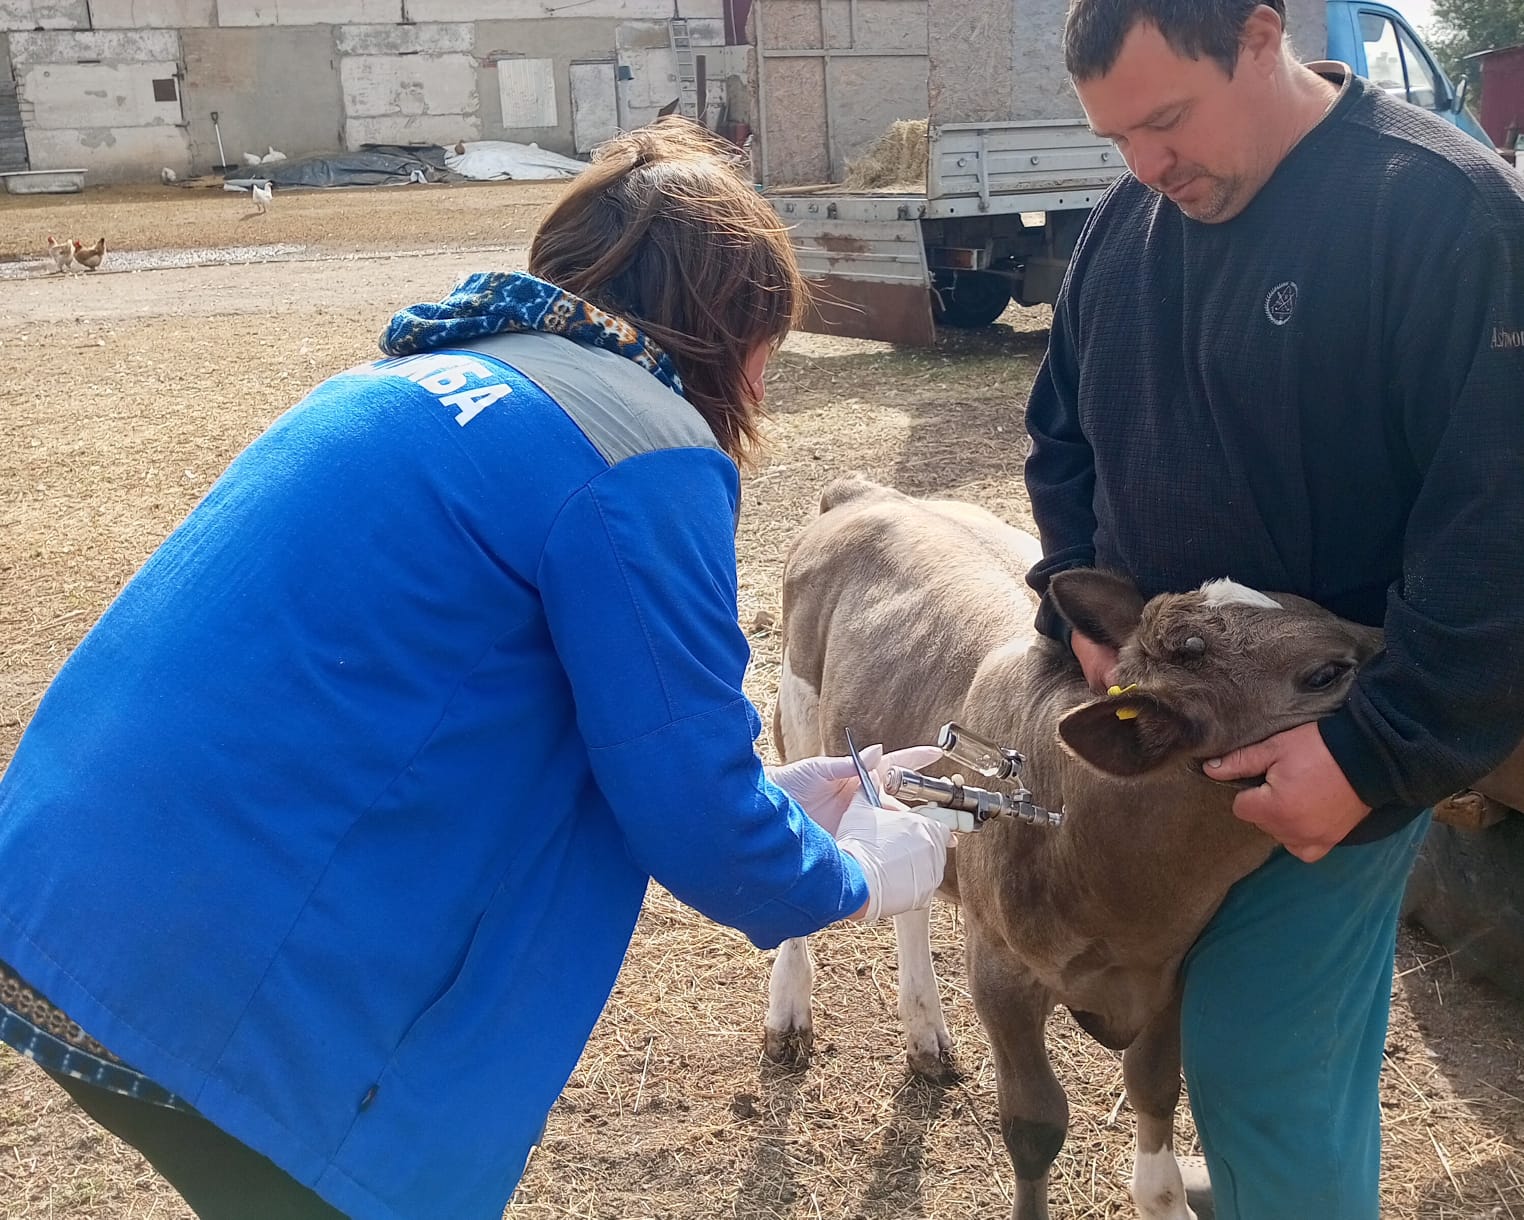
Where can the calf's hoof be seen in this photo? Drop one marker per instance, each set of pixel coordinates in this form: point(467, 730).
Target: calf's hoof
point(939, 1067)
point(789, 1047)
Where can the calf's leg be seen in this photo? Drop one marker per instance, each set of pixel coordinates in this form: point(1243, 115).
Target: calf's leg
point(928, 1044)
point(1034, 1113)
point(788, 1034)
point(1151, 1072)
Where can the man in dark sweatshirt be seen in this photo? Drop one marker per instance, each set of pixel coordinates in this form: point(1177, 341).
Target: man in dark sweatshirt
point(1290, 351)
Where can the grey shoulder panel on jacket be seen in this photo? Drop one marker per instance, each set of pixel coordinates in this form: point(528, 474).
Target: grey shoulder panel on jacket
point(622, 409)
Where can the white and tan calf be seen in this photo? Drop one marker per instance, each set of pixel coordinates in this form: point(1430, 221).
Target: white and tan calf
point(902, 614)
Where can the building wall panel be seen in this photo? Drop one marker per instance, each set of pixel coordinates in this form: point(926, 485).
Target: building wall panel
point(270, 86)
point(110, 154)
point(443, 129)
point(315, 75)
point(44, 14)
point(594, 104)
point(104, 45)
point(433, 38)
point(152, 14)
point(97, 95)
point(378, 85)
point(560, 40)
point(526, 90)
point(653, 78)
point(534, 10)
point(307, 12)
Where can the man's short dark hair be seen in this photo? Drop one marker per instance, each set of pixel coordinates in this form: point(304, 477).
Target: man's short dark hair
point(1197, 29)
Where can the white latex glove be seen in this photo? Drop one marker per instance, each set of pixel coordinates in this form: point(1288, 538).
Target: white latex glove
point(824, 787)
point(902, 855)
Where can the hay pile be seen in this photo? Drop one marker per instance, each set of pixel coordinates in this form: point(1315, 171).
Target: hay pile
point(895, 161)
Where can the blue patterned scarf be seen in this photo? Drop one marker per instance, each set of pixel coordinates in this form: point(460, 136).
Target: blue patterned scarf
point(492, 302)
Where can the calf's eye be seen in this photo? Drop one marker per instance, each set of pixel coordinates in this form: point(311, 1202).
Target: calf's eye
point(1325, 675)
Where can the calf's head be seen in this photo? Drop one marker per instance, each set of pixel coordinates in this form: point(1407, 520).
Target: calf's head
point(1202, 673)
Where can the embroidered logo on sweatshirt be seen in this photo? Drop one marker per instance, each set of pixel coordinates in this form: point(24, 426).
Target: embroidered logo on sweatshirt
point(1505, 340)
point(1280, 303)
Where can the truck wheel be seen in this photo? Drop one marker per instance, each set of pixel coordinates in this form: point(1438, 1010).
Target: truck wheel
point(971, 299)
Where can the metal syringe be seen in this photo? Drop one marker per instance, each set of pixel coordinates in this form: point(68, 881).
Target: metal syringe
point(963, 806)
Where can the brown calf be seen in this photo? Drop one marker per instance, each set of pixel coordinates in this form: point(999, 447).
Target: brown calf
point(900, 615)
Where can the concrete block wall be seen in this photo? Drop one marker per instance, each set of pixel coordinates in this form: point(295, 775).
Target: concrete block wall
point(306, 12)
point(408, 84)
point(125, 88)
point(532, 10)
point(44, 14)
point(269, 87)
point(108, 101)
point(151, 14)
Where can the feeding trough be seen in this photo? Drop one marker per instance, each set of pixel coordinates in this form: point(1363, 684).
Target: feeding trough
point(44, 181)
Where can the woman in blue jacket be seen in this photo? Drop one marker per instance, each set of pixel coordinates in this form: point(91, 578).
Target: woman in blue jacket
point(323, 849)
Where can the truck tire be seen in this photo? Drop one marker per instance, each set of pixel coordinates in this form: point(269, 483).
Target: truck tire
point(970, 299)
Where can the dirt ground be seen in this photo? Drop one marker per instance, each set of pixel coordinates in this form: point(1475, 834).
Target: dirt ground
point(432, 217)
point(123, 394)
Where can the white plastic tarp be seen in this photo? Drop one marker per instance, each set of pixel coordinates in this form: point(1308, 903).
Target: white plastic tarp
point(491, 159)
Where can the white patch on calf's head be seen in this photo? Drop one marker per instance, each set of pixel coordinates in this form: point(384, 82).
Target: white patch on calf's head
point(1224, 592)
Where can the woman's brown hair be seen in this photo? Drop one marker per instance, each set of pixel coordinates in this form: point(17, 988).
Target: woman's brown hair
point(665, 230)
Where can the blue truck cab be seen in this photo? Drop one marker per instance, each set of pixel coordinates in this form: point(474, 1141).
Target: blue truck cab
point(1377, 42)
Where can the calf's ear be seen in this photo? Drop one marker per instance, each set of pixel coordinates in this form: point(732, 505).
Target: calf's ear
point(1102, 605)
point(1128, 734)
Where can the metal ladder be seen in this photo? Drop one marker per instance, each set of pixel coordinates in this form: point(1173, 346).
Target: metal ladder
point(687, 75)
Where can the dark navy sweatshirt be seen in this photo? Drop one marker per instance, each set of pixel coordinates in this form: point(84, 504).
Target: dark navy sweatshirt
point(1324, 396)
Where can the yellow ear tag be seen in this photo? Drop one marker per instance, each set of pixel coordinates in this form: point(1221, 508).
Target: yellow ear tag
point(1124, 713)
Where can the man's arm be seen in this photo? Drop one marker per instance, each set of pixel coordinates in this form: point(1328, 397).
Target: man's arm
point(1444, 702)
point(1060, 468)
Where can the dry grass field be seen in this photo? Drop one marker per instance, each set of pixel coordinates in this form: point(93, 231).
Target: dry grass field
point(124, 393)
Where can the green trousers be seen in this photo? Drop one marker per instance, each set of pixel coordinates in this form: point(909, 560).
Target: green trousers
point(1283, 1024)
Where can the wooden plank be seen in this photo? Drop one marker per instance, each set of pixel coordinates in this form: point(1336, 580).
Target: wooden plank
point(527, 88)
